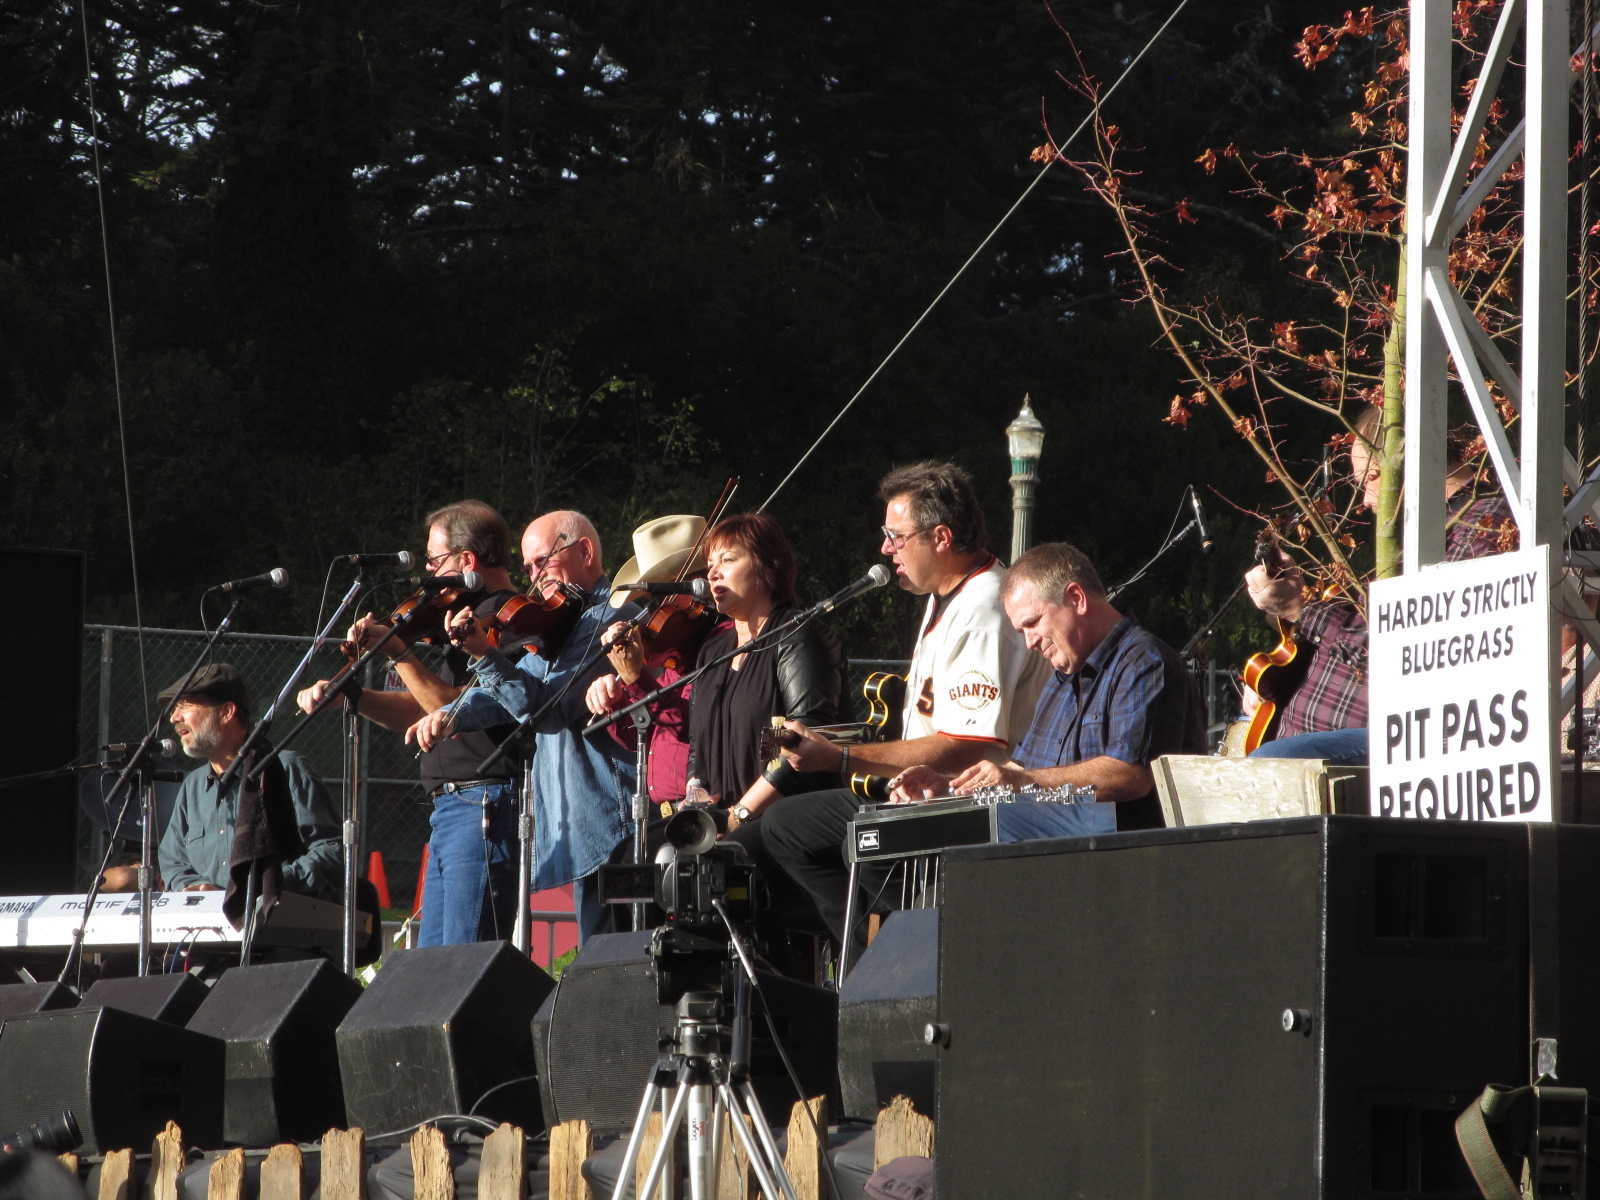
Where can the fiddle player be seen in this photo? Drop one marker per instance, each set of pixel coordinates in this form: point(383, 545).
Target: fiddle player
point(663, 550)
point(212, 720)
point(469, 888)
point(1327, 715)
point(583, 785)
point(971, 689)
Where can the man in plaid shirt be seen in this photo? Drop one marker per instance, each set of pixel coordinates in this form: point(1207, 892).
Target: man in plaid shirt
point(1327, 716)
point(1118, 697)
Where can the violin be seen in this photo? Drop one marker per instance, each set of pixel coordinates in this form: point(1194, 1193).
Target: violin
point(536, 622)
point(424, 617)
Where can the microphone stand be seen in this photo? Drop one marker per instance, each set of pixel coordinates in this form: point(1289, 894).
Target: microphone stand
point(401, 626)
point(264, 726)
point(139, 764)
point(1159, 555)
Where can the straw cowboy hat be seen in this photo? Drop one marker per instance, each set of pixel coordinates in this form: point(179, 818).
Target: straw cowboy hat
point(661, 548)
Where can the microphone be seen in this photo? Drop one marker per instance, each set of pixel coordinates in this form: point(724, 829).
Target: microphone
point(1200, 521)
point(405, 560)
point(698, 588)
point(276, 577)
point(467, 581)
point(877, 577)
point(161, 748)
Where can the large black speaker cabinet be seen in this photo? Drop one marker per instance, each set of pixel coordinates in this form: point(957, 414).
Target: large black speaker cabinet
point(282, 1067)
point(123, 1076)
point(1289, 1008)
point(41, 723)
point(34, 997)
point(439, 1031)
point(885, 1002)
point(605, 1029)
point(172, 998)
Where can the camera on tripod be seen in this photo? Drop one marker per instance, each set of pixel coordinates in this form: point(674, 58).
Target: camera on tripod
point(693, 871)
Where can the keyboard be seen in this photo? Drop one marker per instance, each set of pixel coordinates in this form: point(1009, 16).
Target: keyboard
point(187, 919)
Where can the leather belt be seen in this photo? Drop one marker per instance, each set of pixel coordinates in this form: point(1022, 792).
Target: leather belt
point(464, 785)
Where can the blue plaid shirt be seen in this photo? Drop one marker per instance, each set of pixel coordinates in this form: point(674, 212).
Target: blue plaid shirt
point(1131, 700)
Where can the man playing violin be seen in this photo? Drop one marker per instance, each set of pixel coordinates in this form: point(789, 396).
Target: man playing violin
point(971, 689)
point(469, 889)
point(1327, 715)
point(582, 785)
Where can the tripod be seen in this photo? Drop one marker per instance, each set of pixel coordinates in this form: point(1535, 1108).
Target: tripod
point(710, 1065)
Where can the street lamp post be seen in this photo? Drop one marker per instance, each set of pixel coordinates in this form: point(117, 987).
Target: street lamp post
point(1025, 439)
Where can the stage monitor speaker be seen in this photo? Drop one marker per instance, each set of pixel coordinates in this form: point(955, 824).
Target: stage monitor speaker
point(171, 998)
point(885, 1002)
point(34, 997)
point(281, 1081)
point(123, 1077)
point(1279, 1008)
point(605, 1030)
point(440, 1031)
point(41, 723)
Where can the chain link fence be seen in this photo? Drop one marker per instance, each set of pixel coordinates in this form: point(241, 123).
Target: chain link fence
point(393, 806)
point(118, 706)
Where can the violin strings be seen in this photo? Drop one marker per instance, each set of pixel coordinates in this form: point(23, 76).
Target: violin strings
point(973, 257)
point(116, 357)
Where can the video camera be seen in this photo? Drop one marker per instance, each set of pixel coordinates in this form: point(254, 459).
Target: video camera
point(56, 1135)
point(692, 871)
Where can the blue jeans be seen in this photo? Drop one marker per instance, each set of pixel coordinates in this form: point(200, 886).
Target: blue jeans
point(469, 892)
point(1025, 820)
point(1342, 747)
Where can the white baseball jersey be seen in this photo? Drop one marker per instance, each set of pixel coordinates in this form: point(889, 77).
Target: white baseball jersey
point(971, 676)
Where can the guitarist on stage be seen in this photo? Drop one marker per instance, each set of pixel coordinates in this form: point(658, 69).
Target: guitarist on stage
point(1327, 715)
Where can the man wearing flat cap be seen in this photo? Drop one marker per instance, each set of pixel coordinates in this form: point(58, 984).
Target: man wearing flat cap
point(212, 720)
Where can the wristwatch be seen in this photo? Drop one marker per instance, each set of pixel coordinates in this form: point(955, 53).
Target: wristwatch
point(743, 813)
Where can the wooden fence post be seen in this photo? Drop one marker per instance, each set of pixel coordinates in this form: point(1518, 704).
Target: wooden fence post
point(166, 1160)
point(502, 1170)
point(570, 1143)
point(430, 1166)
point(226, 1179)
point(803, 1158)
point(901, 1130)
point(344, 1165)
point(282, 1175)
point(116, 1176)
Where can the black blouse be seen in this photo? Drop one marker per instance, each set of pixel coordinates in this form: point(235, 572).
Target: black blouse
point(799, 679)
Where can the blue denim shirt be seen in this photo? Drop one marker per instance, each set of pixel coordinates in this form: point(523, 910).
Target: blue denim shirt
point(583, 786)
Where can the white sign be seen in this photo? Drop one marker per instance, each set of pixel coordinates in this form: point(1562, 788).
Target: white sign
point(1460, 694)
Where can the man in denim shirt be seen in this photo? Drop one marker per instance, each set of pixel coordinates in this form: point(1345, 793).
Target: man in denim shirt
point(1119, 696)
point(583, 786)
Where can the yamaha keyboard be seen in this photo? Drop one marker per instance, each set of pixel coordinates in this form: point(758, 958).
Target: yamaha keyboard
point(191, 920)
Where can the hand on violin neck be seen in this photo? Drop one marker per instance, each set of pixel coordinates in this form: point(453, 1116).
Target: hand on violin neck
point(626, 651)
point(466, 633)
point(369, 631)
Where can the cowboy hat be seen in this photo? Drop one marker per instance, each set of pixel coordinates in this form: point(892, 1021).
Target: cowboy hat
point(661, 550)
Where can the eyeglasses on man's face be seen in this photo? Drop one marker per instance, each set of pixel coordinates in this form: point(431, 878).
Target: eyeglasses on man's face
point(898, 538)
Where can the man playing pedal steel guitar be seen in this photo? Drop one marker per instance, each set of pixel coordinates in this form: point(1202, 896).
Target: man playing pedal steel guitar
point(971, 688)
point(1119, 697)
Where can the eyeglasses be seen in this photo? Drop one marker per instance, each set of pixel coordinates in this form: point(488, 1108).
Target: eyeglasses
point(536, 566)
point(434, 561)
point(898, 540)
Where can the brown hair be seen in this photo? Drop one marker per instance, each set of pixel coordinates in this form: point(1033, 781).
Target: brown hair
point(475, 526)
point(939, 493)
point(763, 539)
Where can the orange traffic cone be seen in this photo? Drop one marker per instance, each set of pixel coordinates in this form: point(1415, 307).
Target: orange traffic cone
point(422, 878)
point(377, 877)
